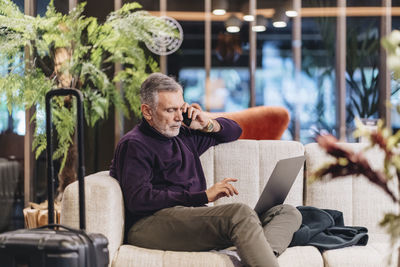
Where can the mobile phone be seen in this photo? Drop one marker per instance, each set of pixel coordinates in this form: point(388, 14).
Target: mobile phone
point(186, 120)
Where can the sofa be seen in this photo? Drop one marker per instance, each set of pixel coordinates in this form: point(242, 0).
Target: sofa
point(251, 161)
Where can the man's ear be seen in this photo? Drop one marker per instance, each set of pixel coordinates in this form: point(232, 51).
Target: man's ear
point(146, 111)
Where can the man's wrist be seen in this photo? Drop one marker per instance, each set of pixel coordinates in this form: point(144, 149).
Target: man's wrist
point(209, 127)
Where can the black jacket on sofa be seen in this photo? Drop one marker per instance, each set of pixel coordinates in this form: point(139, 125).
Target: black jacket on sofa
point(324, 229)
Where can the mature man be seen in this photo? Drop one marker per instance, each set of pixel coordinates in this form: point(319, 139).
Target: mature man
point(158, 167)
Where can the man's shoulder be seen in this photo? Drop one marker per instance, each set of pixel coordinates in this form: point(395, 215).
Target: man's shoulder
point(134, 136)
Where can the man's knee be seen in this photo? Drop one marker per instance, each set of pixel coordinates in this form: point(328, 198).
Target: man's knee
point(293, 212)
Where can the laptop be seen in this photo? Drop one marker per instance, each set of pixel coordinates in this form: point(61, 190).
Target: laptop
point(279, 183)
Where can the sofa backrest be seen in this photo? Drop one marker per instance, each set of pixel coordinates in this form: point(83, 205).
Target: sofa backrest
point(251, 162)
point(362, 202)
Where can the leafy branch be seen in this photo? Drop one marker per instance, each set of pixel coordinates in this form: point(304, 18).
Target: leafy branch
point(75, 51)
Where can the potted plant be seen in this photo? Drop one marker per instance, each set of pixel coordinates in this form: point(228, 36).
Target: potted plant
point(77, 52)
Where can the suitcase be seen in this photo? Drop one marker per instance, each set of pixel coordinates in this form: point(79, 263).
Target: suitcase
point(56, 245)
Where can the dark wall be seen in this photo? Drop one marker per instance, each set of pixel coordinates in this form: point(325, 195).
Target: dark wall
point(98, 8)
point(99, 140)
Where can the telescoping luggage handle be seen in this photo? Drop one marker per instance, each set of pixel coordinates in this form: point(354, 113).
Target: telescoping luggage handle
point(50, 165)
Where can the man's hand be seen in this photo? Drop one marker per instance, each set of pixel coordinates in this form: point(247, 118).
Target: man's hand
point(221, 189)
point(199, 119)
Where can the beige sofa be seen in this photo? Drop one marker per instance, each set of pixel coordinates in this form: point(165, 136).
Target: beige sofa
point(251, 162)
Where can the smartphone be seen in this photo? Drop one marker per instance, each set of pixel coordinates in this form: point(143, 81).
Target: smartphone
point(186, 120)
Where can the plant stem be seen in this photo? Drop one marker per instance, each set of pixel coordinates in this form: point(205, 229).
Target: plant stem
point(68, 173)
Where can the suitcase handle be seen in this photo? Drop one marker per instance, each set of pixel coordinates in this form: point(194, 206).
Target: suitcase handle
point(50, 166)
point(54, 225)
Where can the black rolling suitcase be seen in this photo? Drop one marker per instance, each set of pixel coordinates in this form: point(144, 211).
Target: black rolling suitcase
point(56, 245)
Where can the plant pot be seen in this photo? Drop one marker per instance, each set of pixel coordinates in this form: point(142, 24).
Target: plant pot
point(36, 215)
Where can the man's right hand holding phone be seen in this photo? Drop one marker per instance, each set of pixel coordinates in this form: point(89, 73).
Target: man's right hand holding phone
point(196, 119)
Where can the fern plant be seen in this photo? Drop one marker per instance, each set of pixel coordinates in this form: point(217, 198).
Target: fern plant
point(74, 51)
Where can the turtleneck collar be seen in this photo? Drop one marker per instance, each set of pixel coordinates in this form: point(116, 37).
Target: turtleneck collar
point(147, 129)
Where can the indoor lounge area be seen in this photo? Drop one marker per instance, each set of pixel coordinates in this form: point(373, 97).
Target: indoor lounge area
point(310, 79)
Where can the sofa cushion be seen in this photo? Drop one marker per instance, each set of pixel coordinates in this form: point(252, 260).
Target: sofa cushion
point(197, 259)
point(129, 255)
point(362, 202)
point(372, 255)
point(301, 257)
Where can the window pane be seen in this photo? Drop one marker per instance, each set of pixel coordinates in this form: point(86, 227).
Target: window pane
point(395, 84)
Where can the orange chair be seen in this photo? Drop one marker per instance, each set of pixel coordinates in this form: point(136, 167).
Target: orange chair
point(259, 123)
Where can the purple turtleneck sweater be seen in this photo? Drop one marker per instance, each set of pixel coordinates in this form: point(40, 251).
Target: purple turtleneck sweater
point(157, 172)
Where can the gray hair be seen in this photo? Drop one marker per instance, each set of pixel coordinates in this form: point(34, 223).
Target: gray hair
point(157, 82)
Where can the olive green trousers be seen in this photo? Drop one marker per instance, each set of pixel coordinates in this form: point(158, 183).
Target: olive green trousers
point(258, 239)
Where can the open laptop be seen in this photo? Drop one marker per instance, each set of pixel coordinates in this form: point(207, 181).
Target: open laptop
point(279, 183)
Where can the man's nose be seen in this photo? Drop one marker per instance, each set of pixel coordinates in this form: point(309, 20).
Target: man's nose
point(179, 116)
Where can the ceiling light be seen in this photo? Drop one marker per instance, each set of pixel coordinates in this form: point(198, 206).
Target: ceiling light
point(248, 17)
point(279, 24)
point(246, 12)
point(233, 29)
point(279, 20)
point(260, 24)
point(290, 10)
point(233, 24)
point(219, 12)
point(219, 7)
point(291, 13)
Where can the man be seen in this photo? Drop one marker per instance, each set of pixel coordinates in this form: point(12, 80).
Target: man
point(158, 167)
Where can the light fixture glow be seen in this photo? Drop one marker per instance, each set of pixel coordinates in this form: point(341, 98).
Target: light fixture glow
point(232, 29)
point(248, 17)
point(279, 24)
point(259, 28)
point(219, 12)
point(291, 13)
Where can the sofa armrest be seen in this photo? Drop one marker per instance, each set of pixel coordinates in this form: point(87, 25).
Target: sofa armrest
point(104, 208)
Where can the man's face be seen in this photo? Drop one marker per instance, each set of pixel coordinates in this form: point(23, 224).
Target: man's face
point(166, 118)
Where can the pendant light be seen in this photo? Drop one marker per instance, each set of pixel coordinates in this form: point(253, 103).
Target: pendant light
point(233, 24)
point(260, 24)
point(219, 7)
